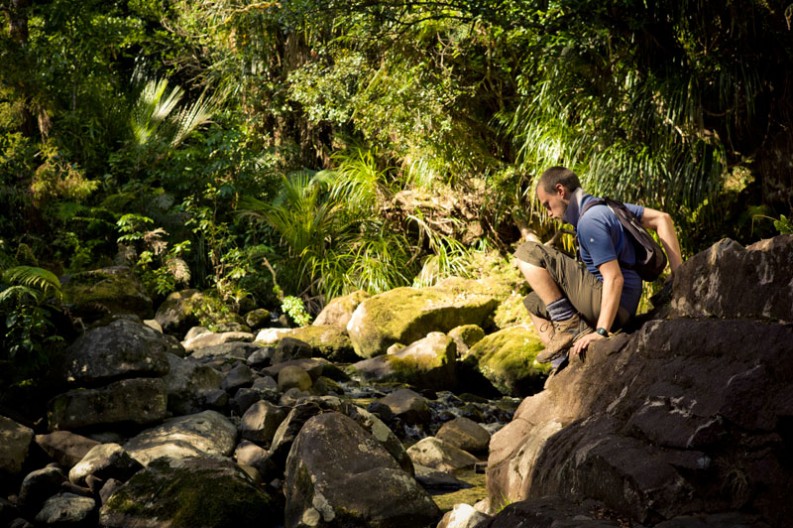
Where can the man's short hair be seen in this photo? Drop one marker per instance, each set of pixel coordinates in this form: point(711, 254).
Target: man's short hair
point(563, 175)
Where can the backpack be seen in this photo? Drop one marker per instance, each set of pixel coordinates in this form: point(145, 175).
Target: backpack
point(650, 258)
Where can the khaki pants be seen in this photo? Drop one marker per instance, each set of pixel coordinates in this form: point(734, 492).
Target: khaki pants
point(582, 289)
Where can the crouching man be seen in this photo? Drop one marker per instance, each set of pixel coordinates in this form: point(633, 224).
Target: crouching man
point(573, 304)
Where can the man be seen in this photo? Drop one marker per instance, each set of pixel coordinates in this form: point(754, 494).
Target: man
point(573, 305)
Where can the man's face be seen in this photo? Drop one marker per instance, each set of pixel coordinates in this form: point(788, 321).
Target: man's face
point(555, 203)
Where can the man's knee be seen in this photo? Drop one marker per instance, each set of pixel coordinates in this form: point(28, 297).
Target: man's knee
point(532, 252)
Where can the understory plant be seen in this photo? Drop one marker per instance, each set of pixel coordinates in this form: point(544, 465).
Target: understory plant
point(29, 298)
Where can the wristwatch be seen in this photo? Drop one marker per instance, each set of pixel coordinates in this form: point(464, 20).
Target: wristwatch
point(602, 331)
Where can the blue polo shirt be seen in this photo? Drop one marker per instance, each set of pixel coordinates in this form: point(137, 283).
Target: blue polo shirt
point(601, 238)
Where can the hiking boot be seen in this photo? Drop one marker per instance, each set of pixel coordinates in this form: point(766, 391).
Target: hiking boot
point(564, 335)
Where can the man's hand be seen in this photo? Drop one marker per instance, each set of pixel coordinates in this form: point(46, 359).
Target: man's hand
point(580, 346)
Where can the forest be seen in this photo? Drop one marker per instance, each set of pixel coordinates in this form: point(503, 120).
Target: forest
point(278, 154)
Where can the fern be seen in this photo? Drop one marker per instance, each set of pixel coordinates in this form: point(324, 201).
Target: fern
point(30, 280)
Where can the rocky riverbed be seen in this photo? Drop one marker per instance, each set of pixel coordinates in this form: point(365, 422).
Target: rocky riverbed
point(414, 408)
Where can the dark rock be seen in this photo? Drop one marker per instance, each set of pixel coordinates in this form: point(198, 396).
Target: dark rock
point(729, 281)
point(658, 424)
point(121, 349)
point(239, 376)
point(188, 493)
point(188, 385)
point(92, 295)
point(177, 313)
point(331, 461)
point(38, 486)
point(15, 445)
point(139, 401)
point(67, 509)
point(205, 434)
point(260, 422)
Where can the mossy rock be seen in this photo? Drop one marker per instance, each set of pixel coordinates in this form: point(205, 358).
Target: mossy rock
point(190, 493)
point(507, 360)
point(92, 295)
point(405, 315)
point(428, 364)
point(327, 341)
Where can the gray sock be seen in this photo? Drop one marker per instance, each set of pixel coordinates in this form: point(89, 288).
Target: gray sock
point(561, 310)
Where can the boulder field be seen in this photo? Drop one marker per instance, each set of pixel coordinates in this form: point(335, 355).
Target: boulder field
point(683, 420)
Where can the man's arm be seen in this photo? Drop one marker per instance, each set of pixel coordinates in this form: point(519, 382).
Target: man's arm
point(662, 224)
point(613, 282)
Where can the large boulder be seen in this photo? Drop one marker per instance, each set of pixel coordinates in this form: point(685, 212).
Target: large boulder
point(187, 493)
point(92, 295)
point(137, 401)
point(328, 341)
point(290, 427)
point(338, 312)
point(189, 384)
point(205, 434)
point(16, 440)
point(125, 348)
point(405, 315)
point(427, 363)
point(506, 358)
point(179, 312)
point(332, 461)
point(65, 447)
point(683, 416)
point(755, 282)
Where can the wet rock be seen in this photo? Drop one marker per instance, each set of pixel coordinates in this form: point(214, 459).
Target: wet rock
point(207, 433)
point(139, 401)
point(376, 324)
point(187, 493)
point(104, 461)
point(15, 445)
point(332, 459)
point(465, 434)
point(437, 454)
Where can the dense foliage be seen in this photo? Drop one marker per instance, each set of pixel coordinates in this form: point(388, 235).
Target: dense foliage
point(304, 149)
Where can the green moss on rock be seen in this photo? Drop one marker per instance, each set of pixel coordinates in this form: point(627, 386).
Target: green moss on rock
point(507, 359)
